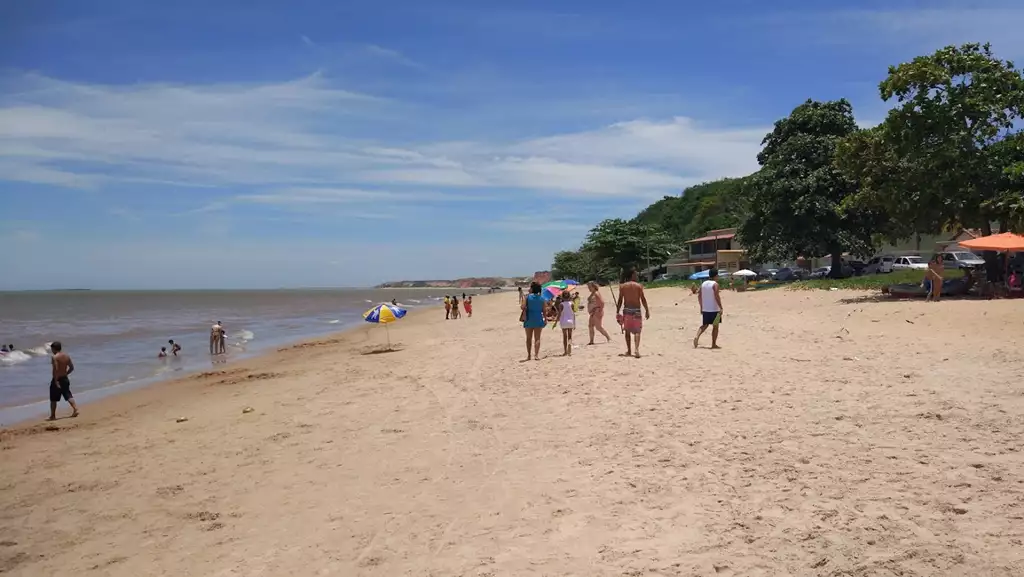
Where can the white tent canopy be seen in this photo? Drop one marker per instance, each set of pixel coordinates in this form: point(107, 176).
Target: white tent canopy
point(744, 272)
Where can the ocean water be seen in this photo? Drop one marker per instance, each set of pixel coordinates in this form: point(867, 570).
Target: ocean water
point(114, 337)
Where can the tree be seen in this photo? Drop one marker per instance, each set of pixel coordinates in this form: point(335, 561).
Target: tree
point(795, 204)
point(943, 140)
point(581, 265)
point(622, 244)
point(699, 208)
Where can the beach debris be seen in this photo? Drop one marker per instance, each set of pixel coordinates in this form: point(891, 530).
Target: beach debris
point(909, 321)
point(181, 419)
point(851, 358)
point(824, 560)
point(248, 410)
point(959, 510)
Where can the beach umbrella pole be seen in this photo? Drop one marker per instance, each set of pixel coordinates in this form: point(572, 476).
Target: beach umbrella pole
point(387, 332)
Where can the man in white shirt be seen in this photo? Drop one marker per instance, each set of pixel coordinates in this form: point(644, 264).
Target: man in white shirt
point(710, 299)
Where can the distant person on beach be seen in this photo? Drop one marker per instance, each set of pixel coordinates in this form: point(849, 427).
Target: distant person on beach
point(565, 309)
point(163, 353)
point(447, 307)
point(933, 278)
point(533, 319)
point(60, 385)
point(631, 297)
point(175, 347)
point(217, 334)
point(710, 300)
point(394, 302)
point(468, 305)
point(595, 312)
point(455, 307)
point(520, 296)
point(463, 297)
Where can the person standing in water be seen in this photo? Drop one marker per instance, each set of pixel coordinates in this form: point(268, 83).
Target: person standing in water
point(709, 297)
point(631, 297)
point(60, 385)
point(175, 347)
point(217, 339)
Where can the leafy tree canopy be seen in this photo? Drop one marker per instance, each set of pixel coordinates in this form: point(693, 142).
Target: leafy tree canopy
point(795, 204)
point(620, 244)
point(942, 155)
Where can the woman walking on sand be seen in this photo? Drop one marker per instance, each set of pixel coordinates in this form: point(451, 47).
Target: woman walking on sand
point(532, 317)
point(595, 308)
point(468, 305)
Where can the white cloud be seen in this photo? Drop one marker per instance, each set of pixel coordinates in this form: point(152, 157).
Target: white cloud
point(919, 30)
point(309, 134)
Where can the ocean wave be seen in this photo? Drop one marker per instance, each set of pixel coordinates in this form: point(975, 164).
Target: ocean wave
point(334, 322)
point(415, 301)
point(245, 336)
point(13, 358)
point(40, 351)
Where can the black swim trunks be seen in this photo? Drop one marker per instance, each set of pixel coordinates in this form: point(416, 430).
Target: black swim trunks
point(60, 388)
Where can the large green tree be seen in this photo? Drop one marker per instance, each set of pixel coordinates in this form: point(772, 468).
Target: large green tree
point(795, 204)
point(620, 244)
point(943, 155)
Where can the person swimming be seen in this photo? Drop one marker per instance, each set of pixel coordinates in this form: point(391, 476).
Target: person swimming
point(163, 353)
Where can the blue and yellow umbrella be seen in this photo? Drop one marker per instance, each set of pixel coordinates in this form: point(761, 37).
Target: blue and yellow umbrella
point(384, 314)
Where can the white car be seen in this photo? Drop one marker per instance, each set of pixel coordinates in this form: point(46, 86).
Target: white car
point(961, 259)
point(909, 263)
point(879, 264)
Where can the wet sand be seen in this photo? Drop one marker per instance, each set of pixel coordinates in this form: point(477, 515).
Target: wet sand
point(832, 435)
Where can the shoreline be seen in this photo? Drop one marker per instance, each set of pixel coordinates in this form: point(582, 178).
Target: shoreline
point(797, 448)
point(118, 393)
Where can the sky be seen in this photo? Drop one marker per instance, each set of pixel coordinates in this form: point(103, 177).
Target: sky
point(265, 144)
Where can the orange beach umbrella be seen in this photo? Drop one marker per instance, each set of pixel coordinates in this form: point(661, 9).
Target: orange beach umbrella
point(1003, 242)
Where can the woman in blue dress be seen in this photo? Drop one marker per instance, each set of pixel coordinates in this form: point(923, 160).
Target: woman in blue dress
point(533, 320)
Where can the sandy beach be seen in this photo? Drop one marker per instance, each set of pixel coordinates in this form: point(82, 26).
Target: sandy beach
point(833, 435)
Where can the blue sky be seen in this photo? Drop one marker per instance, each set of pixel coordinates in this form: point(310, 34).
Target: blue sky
point(341, 143)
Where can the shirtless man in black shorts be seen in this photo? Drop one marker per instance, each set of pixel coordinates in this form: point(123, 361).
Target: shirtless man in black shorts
point(60, 386)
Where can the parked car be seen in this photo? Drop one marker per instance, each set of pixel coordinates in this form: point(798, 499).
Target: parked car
point(855, 267)
point(821, 272)
point(767, 273)
point(790, 273)
point(909, 263)
point(961, 259)
point(879, 264)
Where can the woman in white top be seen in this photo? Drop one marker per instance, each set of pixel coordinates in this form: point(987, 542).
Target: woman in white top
point(567, 320)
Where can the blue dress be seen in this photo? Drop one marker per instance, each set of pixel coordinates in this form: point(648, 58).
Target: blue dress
point(534, 312)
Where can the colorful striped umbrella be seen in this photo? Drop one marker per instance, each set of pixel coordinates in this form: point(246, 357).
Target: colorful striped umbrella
point(556, 287)
point(384, 314)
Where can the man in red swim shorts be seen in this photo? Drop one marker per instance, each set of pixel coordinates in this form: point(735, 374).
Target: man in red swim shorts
point(631, 298)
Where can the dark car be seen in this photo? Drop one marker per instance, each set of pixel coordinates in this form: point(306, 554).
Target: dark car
point(790, 273)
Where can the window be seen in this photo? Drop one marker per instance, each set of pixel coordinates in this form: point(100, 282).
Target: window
point(948, 257)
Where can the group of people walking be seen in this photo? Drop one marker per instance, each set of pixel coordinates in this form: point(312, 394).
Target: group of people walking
point(631, 310)
point(452, 304)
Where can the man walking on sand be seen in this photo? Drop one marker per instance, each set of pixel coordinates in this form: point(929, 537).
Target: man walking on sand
point(60, 385)
point(631, 297)
point(710, 299)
